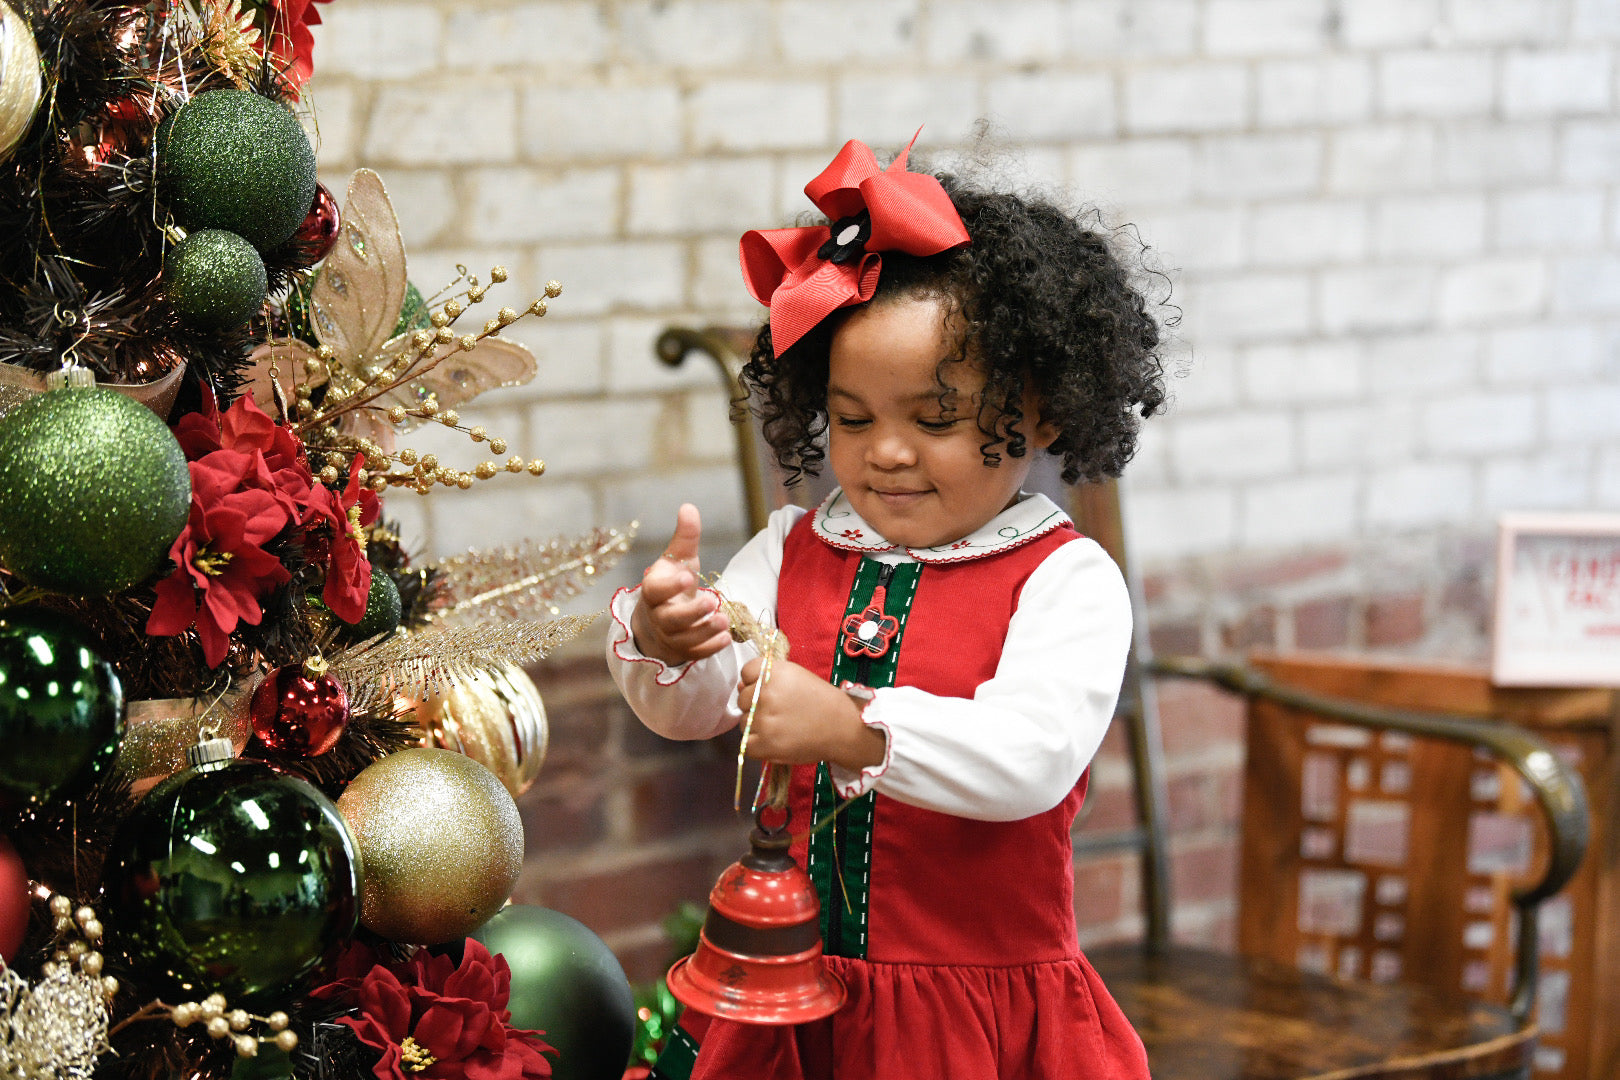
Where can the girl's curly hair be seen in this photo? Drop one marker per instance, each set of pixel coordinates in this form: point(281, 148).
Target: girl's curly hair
point(1037, 296)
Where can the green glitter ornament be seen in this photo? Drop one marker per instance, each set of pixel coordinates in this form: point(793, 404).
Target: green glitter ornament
point(413, 313)
point(214, 280)
point(233, 160)
point(383, 608)
point(93, 491)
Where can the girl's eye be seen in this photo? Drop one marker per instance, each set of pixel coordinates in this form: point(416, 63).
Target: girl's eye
point(850, 421)
point(938, 425)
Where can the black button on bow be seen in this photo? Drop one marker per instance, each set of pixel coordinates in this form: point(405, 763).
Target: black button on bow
point(848, 240)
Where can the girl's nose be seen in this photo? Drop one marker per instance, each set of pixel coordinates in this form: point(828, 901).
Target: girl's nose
point(891, 450)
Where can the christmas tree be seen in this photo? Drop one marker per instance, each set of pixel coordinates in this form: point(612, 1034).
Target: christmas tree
point(257, 766)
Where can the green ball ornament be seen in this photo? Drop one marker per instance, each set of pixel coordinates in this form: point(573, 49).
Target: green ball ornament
point(383, 608)
point(567, 983)
point(229, 876)
point(93, 491)
point(61, 709)
point(214, 280)
point(234, 160)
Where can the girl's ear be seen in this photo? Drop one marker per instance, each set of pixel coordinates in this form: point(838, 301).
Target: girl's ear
point(1045, 434)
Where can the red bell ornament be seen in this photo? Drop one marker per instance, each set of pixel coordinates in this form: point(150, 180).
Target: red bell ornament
point(300, 709)
point(759, 958)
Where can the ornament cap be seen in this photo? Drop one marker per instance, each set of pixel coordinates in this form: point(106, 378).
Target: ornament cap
point(70, 376)
point(210, 752)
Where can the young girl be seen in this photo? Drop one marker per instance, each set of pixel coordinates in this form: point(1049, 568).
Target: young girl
point(956, 647)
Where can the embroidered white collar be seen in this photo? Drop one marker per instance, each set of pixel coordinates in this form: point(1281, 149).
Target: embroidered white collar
point(837, 524)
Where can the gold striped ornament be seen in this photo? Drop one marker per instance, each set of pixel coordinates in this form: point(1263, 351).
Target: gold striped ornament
point(20, 81)
point(494, 716)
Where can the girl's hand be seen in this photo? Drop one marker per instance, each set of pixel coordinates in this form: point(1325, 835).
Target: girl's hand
point(802, 719)
point(675, 621)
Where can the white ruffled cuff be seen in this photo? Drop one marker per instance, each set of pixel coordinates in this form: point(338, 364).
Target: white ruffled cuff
point(623, 642)
point(850, 784)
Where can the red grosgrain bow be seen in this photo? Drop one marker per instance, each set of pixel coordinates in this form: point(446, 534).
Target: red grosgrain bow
point(807, 274)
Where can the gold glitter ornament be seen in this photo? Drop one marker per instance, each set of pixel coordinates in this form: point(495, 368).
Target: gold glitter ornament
point(93, 490)
point(441, 842)
point(496, 718)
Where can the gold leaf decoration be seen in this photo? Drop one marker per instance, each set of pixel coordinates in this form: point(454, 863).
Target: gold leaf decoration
point(527, 581)
point(416, 664)
point(230, 39)
point(54, 1029)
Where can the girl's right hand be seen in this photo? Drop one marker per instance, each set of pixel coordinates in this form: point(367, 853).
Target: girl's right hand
point(674, 620)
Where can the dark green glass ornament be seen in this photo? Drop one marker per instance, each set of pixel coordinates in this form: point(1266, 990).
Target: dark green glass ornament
point(93, 491)
point(234, 160)
point(61, 709)
point(567, 983)
point(231, 877)
point(214, 280)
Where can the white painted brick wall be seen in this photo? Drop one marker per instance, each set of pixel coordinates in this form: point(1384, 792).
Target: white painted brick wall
point(1325, 89)
point(1557, 81)
point(1390, 226)
point(1265, 27)
point(1186, 98)
point(1435, 84)
point(1300, 511)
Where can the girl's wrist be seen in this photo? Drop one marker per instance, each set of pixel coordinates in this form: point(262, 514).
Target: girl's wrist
point(864, 745)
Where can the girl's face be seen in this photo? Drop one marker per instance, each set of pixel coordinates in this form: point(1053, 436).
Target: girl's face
point(912, 467)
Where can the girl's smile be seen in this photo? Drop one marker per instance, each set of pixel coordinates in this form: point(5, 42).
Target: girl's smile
point(906, 450)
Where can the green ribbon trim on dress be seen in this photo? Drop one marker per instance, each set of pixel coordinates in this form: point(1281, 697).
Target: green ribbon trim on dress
point(840, 858)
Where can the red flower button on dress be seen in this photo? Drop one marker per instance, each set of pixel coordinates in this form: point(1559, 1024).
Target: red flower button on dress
point(871, 632)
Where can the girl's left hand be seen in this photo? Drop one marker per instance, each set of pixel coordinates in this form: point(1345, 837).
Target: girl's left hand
point(802, 719)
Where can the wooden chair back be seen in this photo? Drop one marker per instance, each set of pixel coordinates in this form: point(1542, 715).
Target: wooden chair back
point(1260, 1016)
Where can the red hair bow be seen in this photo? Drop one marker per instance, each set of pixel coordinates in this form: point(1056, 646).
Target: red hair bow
point(807, 274)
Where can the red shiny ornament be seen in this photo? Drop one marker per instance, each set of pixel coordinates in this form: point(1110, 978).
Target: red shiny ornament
point(299, 709)
point(758, 958)
point(13, 901)
point(315, 237)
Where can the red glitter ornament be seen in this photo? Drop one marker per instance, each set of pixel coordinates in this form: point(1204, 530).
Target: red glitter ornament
point(299, 709)
point(319, 231)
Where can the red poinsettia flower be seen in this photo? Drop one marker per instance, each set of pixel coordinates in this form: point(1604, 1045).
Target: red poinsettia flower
point(434, 1019)
point(222, 570)
point(247, 428)
point(290, 39)
point(348, 571)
